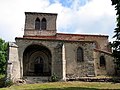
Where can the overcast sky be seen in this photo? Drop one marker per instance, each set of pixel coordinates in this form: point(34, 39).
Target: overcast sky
point(74, 16)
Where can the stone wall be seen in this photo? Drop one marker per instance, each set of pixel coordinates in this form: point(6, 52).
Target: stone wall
point(54, 47)
point(76, 69)
point(30, 24)
point(63, 50)
point(109, 68)
point(39, 32)
point(100, 41)
point(64, 58)
point(71, 67)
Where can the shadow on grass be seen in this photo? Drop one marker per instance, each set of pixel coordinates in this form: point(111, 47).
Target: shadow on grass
point(66, 88)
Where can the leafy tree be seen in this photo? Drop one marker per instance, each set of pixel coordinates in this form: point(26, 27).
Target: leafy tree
point(116, 43)
point(3, 55)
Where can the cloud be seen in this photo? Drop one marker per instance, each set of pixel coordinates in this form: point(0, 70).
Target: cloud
point(74, 16)
point(12, 16)
point(95, 17)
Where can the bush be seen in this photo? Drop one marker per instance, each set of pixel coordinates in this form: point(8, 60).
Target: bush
point(54, 78)
point(3, 56)
point(8, 82)
point(116, 80)
point(5, 82)
point(2, 82)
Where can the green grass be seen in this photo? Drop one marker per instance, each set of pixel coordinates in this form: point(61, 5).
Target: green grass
point(65, 86)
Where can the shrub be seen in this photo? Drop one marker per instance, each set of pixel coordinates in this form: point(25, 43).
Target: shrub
point(116, 80)
point(2, 82)
point(8, 82)
point(54, 78)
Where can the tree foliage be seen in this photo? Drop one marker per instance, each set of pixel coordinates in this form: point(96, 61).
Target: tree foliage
point(116, 43)
point(3, 55)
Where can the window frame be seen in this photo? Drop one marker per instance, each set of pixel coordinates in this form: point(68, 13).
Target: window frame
point(43, 24)
point(37, 24)
point(80, 52)
point(102, 61)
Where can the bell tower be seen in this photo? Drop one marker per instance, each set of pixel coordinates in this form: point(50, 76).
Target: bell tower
point(40, 24)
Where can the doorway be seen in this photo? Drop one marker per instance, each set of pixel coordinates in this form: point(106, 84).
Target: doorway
point(37, 61)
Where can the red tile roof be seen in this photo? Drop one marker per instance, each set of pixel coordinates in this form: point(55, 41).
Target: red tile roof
point(103, 51)
point(65, 37)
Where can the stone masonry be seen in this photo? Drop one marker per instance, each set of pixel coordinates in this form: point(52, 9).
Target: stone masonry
point(41, 53)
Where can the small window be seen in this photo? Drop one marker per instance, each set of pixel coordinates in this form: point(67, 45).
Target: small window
point(102, 61)
point(80, 54)
point(43, 24)
point(37, 23)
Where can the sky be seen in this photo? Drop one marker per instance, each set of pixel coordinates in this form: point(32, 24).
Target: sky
point(74, 16)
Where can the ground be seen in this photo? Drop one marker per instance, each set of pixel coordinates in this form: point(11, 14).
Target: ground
point(75, 85)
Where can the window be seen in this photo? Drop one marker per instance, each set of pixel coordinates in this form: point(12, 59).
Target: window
point(80, 54)
point(37, 23)
point(102, 61)
point(43, 24)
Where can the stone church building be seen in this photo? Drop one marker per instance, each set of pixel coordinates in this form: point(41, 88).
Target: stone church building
point(42, 52)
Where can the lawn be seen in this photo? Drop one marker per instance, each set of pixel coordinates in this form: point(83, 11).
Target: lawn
point(76, 85)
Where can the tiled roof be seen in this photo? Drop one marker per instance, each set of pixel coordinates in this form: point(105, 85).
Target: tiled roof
point(66, 37)
point(82, 35)
point(103, 51)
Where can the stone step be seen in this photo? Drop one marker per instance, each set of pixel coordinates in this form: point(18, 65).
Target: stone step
point(36, 79)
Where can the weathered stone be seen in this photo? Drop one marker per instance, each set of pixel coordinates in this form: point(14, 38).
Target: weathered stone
point(40, 54)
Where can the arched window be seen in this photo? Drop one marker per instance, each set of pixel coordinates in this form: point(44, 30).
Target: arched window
point(37, 23)
point(80, 54)
point(102, 61)
point(43, 24)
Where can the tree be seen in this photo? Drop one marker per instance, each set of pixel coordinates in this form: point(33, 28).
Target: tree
point(116, 43)
point(3, 55)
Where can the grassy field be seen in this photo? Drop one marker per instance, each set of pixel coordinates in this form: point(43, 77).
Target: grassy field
point(66, 86)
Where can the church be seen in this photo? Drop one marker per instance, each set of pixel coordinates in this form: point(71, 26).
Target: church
point(42, 52)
